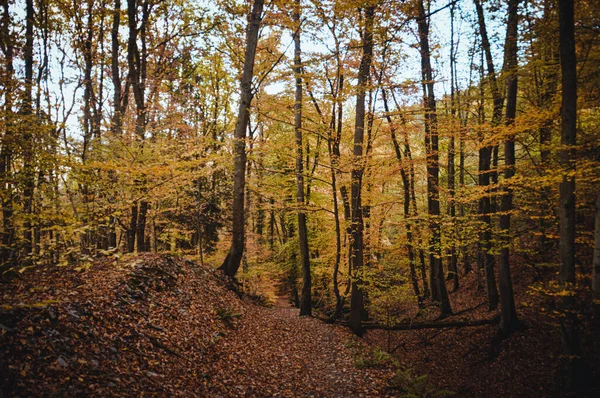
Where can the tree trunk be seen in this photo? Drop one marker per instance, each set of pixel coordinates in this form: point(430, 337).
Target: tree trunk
point(6, 153)
point(137, 73)
point(509, 321)
point(118, 101)
point(413, 205)
point(356, 298)
point(27, 142)
point(306, 300)
point(570, 335)
point(131, 232)
point(453, 266)
point(485, 171)
point(141, 227)
point(596, 279)
point(406, 188)
point(550, 81)
point(438, 284)
point(232, 261)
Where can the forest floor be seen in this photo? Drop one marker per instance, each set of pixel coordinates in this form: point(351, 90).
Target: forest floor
point(475, 362)
point(164, 326)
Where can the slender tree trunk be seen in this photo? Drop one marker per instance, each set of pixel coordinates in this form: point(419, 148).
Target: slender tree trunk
point(406, 188)
point(305, 301)
point(413, 205)
point(137, 71)
point(550, 81)
point(115, 71)
point(357, 294)
point(596, 279)
point(6, 152)
point(485, 170)
point(141, 227)
point(86, 39)
point(567, 278)
point(453, 266)
point(509, 321)
point(438, 284)
point(232, 261)
point(131, 232)
point(27, 138)
point(343, 188)
point(463, 116)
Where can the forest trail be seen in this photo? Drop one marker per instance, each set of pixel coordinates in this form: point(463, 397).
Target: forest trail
point(288, 355)
point(160, 325)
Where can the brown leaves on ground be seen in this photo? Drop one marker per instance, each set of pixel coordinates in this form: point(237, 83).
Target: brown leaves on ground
point(474, 362)
point(158, 325)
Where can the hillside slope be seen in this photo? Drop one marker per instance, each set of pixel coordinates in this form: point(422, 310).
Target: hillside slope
point(159, 325)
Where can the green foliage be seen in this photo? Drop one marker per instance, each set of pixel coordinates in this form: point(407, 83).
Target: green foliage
point(373, 359)
point(411, 386)
point(227, 315)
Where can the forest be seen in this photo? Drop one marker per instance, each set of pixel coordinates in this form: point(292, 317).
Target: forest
point(300, 198)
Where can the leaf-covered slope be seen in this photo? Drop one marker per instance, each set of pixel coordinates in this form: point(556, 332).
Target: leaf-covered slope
point(164, 326)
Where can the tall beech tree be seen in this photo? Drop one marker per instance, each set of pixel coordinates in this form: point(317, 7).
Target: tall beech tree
point(509, 321)
point(6, 153)
point(571, 345)
point(485, 170)
point(453, 264)
point(357, 306)
point(306, 300)
point(437, 280)
point(27, 130)
point(231, 264)
point(137, 60)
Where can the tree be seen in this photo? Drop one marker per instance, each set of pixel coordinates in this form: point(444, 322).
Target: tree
point(485, 153)
point(27, 134)
point(509, 321)
point(231, 264)
point(596, 278)
point(357, 299)
point(6, 153)
point(438, 284)
point(568, 63)
point(306, 301)
point(453, 266)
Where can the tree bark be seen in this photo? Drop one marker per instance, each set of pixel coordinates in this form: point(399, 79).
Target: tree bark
point(570, 335)
point(550, 81)
point(27, 142)
point(596, 279)
point(438, 284)
point(485, 157)
point(357, 227)
point(453, 266)
point(509, 321)
point(118, 101)
point(141, 227)
point(232, 261)
point(306, 300)
point(6, 153)
point(137, 74)
point(131, 231)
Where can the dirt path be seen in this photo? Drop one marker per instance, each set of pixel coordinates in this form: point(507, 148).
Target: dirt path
point(291, 356)
point(184, 334)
